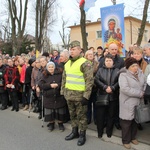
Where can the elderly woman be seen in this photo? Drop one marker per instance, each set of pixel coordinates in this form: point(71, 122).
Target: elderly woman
point(106, 80)
point(53, 102)
point(89, 55)
point(131, 82)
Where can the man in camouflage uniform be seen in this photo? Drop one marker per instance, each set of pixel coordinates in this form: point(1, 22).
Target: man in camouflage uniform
point(77, 82)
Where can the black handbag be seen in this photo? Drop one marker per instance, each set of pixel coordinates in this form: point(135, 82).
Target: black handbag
point(102, 100)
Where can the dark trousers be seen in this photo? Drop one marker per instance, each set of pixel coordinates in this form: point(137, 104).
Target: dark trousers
point(91, 103)
point(4, 99)
point(14, 98)
point(129, 130)
point(117, 120)
point(105, 114)
point(27, 94)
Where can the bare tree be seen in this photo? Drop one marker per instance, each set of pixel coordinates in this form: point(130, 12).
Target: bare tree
point(143, 23)
point(18, 16)
point(64, 37)
point(83, 27)
point(44, 18)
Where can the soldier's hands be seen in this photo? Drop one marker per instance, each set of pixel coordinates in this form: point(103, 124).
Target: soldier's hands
point(84, 101)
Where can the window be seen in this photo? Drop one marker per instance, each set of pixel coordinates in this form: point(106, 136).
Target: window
point(98, 34)
point(145, 36)
point(86, 34)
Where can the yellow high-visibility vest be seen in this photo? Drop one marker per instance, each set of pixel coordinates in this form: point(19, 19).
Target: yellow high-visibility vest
point(74, 77)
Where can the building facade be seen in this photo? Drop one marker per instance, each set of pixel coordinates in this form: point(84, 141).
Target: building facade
point(94, 32)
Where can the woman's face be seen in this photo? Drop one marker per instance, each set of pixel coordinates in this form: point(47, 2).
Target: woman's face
point(137, 55)
point(106, 52)
point(133, 68)
point(51, 69)
point(108, 62)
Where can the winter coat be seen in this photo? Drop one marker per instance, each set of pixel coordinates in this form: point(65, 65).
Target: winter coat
point(131, 90)
point(28, 75)
point(2, 81)
point(34, 74)
point(11, 76)
point(108, 77)
point(147, 71)
point(22, 74)
point(51, 97)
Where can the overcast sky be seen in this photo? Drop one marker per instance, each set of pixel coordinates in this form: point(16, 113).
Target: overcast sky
point(69, 9)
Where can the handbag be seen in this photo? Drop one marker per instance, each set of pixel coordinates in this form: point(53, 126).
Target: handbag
point(142, 113)
point(102, 100)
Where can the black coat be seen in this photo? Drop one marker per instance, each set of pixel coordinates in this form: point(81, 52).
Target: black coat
point(108, 77)
point(2, 81)
point(51, 97)
point(28, 75)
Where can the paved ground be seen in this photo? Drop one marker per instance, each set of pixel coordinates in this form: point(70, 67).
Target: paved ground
point(19, 131)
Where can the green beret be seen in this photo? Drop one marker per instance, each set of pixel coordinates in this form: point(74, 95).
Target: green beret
point(74, 44)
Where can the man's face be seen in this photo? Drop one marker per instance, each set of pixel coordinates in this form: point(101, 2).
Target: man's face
point(55, 53)
point(111, 25)
point(62, 57)
point(75, 51)
point(10, 62)
point(113, 49)
point(147, 51)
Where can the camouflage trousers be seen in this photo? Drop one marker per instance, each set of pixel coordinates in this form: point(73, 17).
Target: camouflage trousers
point(78, 115)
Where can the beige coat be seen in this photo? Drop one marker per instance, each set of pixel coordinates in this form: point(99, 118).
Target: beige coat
point(131, 90)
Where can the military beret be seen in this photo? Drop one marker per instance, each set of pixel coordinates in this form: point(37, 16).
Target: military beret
point(74, 44)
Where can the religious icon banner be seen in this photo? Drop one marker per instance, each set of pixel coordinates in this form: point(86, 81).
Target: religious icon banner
point(112, 21)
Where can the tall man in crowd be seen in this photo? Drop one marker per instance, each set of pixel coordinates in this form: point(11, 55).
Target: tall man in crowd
point(76, 87)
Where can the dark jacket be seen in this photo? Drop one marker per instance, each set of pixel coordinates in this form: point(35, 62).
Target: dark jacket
point(118, 62)
point(108, 77)
point(2, 81)
point(51, 97)
point(28, 75)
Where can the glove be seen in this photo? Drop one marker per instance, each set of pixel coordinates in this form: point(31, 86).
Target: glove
point(84, 101)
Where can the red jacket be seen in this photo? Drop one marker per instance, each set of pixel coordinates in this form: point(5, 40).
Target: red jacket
point(11, 76)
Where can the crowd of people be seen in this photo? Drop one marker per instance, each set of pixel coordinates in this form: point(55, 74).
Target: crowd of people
point(97, 86)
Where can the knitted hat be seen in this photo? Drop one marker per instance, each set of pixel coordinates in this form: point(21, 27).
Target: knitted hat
point(130, 61)
point(31, 61)
point(50, 63)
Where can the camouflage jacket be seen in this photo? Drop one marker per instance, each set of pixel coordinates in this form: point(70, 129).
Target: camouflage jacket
point(73, 95)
